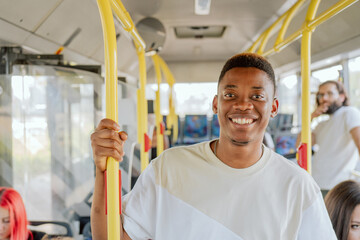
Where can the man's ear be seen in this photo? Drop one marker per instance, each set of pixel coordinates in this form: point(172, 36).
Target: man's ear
point(215, 104)
point(274, 107)
point(342, 98)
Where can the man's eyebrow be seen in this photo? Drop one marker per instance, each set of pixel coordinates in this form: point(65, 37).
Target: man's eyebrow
point(258, 88)
point(230, 86)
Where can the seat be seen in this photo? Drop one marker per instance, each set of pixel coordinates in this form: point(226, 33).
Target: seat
point(195, 129)
point(51, 228)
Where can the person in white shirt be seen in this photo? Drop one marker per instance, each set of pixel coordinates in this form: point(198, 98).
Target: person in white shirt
point(338, 138)
point(229, 188)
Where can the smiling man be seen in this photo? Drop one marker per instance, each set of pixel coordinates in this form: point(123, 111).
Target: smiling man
point(230, 188)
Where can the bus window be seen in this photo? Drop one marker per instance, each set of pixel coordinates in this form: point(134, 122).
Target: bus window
point(288, 96)
point(354, 83)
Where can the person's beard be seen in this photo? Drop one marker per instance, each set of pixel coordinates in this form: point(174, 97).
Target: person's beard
point(333, 108)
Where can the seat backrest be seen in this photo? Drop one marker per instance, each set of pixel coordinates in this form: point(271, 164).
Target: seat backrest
point(51, 228)
point(195, 129)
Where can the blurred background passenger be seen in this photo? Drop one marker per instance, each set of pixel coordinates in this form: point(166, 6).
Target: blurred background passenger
point(343, 205)
point(338, 138)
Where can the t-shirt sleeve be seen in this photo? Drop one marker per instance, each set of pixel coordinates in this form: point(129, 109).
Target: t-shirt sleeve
point(139, 207)
point(316, 130)
point(315, 223)
point(352, 118)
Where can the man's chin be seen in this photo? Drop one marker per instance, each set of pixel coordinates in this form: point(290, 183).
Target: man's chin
point(240, 142)
point(332, 108)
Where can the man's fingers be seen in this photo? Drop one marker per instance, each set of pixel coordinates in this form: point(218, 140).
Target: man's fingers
point(109, 143)
point(102, 134)
point(107, 123)
point(109, 152)
point(123, 135)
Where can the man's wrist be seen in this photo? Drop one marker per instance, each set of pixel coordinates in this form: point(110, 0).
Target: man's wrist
point(98, 172)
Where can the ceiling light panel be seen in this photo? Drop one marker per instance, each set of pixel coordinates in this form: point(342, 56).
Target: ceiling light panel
point(202, 7)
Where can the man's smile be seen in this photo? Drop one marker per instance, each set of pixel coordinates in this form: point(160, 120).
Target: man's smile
point(242, 121)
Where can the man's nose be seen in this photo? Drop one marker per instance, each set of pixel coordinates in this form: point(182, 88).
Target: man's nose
point(244, 104)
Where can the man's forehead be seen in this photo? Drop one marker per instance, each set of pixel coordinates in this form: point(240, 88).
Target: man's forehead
point(327, 87)
point(253, 82)
point(255, 86)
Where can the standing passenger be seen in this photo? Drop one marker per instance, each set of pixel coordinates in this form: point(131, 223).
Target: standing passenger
point(230, 188)
point(338, 137)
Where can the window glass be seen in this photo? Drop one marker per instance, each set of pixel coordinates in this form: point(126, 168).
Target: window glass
point(288, 96)
point(47, 115)
point(330, 73)
point(354, 81)
point(195, 98)
point(190, 98)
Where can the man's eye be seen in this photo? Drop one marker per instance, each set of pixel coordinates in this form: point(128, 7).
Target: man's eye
point(6, 220)
point(229, 95)
point(258, 96)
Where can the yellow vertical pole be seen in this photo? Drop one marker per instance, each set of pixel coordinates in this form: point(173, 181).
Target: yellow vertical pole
point(142, 104)
point(305, 76)
point(305, 95)
point(172, 119)
point(158, 116)
point(112, 166)
point(142, 114)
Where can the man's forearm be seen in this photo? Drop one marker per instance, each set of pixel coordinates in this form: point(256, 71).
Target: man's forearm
point(98, 216)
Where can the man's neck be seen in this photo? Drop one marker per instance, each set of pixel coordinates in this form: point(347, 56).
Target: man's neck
point(238, 156)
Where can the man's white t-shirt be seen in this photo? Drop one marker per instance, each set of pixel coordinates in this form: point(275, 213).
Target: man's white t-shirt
point(188, 193)
point(337, 155)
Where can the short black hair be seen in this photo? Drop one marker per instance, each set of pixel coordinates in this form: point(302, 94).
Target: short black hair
point(247, 60)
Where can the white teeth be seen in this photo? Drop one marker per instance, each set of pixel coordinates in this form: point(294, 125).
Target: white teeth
point(242, 120)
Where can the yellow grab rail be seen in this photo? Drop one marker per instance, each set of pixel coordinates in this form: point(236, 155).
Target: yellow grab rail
point(127, 22)
point(264, 37)
point(267, 34)
point(289, 16)
point(281, 44)
point(305, 76)
point(129, 26)
point(172, 119)
point(142, 104)
point(158, 116)
point(113, 194)
point(330, 12)
point(112, 166)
